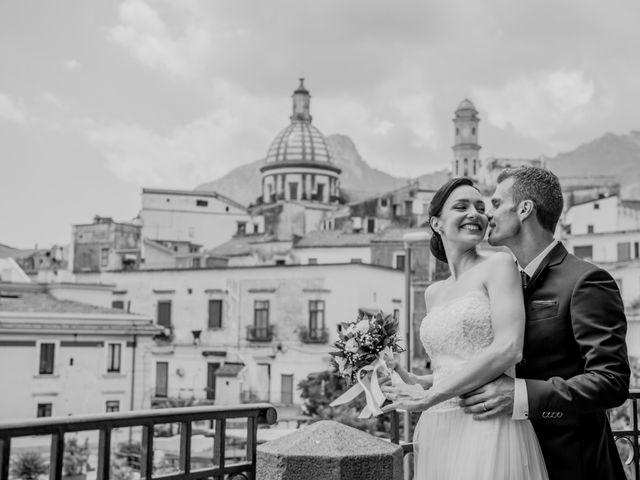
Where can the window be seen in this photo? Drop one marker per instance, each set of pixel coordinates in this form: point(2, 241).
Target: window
point(371, 225)
point(356, 260)
point(624, 251)
point(242, 228)
point(215, 313)
point(162, 380)
point(261, 317)
point(312, 261)
point(316, 317)
point(396, 314)
point(281, 262)
point(589, 228)
point(44, 409)
point(114, 354)
point(473, 130)
point(202, 203)
point(583, 251)
point(195, 262)
point(293, 191)
point(117, 304)
point(408, 207)
point(384, 202)
point(47, 357)
point(596, 206)
point(113, 406)
point(636, 249)
point(398, 261)
point(164, 313)
point(104, 257)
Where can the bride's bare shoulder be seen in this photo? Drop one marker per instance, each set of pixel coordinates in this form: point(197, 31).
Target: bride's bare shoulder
point(433, 291)
point(499, 259)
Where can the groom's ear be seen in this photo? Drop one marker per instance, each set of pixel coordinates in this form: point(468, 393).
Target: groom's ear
point(525, 209)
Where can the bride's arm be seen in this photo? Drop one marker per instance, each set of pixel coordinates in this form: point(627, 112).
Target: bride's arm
point(410, 378)
point(507, 319)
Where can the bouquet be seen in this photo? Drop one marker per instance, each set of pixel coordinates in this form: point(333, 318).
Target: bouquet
point(361, 350)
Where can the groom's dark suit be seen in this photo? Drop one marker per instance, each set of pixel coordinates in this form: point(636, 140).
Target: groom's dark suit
point(575, 365)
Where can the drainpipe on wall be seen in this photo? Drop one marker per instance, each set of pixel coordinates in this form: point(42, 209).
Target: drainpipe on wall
point(133, 379)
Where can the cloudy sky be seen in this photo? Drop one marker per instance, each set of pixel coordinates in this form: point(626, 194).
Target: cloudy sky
point(100, 98)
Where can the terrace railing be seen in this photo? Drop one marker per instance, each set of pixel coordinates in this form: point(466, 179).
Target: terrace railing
point(259, 413)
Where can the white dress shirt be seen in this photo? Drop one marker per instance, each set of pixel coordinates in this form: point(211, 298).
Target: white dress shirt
point(520, 398)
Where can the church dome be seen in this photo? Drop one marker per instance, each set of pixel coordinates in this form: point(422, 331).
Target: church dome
point(466, 105)
point(299, 165)
point(300, 141)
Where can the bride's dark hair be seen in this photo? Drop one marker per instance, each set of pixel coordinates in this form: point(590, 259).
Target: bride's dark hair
point(435, 209)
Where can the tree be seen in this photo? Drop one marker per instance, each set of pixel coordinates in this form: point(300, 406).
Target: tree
point(320, 389)
point(29, 465)
point(75, 458)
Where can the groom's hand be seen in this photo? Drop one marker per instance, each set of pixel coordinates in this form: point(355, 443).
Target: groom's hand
point(494, 398)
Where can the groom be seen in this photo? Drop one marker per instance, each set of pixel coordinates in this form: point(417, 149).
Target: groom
point(574, 364)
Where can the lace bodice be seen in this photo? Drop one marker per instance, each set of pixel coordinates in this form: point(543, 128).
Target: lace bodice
point(454, 331)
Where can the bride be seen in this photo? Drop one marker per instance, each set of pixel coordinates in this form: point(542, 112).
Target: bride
point(473, 332)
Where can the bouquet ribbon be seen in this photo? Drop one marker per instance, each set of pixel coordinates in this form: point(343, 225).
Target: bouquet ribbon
point(368, 384)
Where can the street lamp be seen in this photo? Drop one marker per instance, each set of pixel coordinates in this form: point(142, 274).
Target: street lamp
point(409, 239)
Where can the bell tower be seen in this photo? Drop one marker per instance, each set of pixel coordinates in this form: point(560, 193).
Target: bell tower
point(465, 149)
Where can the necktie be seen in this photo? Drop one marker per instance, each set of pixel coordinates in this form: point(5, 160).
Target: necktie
point(524, 278)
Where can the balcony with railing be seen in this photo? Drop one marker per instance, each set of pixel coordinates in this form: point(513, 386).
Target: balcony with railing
point(260, 334)
point(220, 463)
point(314, 335)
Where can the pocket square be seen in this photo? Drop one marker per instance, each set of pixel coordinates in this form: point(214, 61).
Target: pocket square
point(538, 304)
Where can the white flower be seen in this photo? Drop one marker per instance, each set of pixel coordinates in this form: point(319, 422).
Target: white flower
point(342, 362)
point(362, 326)
point(351, 346)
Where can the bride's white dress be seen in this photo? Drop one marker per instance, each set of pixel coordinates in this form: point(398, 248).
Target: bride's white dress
point(448, 443)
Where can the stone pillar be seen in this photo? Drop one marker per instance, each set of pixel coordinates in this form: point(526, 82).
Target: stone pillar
point(329, 450)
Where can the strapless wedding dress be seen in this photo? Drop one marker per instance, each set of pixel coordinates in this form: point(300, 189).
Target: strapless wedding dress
point(448, 443)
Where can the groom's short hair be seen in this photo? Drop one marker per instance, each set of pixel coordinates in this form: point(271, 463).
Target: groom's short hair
point(540, 186)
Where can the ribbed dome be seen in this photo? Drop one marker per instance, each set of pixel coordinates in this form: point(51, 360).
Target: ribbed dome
point(299, 142)
point(466, 105)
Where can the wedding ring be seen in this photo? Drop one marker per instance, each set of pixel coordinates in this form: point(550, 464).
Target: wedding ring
point(484, 405)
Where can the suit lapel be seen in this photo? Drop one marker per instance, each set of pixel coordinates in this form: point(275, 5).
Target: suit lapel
point(555, 256)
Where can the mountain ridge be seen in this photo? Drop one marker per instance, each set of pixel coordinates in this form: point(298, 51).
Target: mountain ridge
point(610, 154)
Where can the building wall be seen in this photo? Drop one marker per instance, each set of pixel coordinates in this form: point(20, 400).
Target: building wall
point(288, 289)
point(98, 295)
point(172, 216)
point(80, 383)
point(603, 215)
point(607, 247)
point(90, 241)
point(333, 254)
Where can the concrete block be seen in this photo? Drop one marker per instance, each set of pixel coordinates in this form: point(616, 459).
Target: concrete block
point(329, 450)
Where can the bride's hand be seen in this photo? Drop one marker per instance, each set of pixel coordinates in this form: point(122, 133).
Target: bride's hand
point(411, 398)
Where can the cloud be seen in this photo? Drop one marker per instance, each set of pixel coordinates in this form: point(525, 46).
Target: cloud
point(543, 105)
point(72, 64)
point(11, 110)
point(142, 31)
point(237, 130)
point(54, 100)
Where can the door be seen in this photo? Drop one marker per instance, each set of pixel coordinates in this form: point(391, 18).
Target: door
point(211, 380)
point(286, 389)
point(162, 372)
